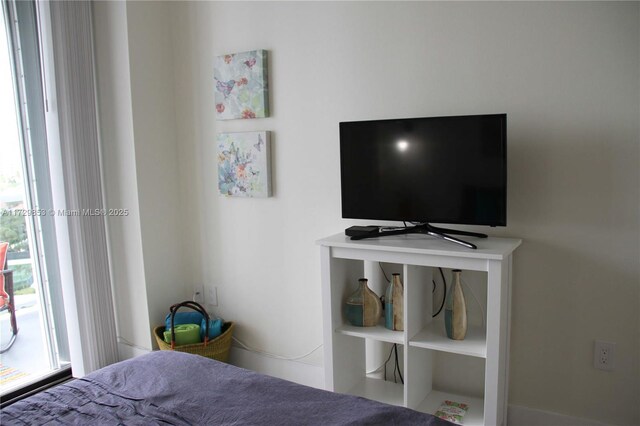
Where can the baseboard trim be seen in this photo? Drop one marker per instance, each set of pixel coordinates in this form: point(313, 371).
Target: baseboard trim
point(299, 372)
point(524, 416)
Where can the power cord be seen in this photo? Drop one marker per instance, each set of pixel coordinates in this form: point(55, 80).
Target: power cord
point(397, 367)
point(270, 355)
point(122, 340)
point(385, 274)
point(196, 295)
point(382, 365)
point(476, 299)
point(444, 296)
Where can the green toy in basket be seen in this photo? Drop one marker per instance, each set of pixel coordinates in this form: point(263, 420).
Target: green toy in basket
point(186, 334)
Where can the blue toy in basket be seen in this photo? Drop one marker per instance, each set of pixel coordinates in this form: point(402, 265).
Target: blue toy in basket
point(215, 328)
point(215, 325)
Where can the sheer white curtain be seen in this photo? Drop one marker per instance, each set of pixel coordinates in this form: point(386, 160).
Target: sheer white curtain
point(74, 150)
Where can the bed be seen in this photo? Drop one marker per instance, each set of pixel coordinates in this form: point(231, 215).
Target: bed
point(175, 388)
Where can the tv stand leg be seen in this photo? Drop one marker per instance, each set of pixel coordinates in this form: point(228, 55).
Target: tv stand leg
point(457, 232)
point(452, 239)
point(425, 229)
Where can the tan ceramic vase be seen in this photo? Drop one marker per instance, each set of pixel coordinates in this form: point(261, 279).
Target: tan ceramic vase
point(363, 308)
point(394, 305)
point(455, 312)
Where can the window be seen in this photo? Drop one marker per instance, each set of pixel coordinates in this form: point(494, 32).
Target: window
point(40, 348)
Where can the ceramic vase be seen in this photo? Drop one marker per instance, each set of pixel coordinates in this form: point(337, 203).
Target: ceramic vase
point(394, 305)
point(455, 310)
point(363, 308)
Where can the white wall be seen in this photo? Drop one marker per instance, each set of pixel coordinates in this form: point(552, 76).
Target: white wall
point(568, 76)
point(163, 215)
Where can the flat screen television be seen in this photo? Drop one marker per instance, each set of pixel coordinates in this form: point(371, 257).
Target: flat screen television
point(450, 170)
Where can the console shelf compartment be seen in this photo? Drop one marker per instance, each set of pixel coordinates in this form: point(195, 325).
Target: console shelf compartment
point(378, 333)
point(434, 337)
point(473, 417)
point(379, 390)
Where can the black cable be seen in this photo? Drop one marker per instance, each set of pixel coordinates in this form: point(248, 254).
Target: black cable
point(398, 366)
point(385, 274)
point(395, 365)
point(385, 363)
point(444, 296)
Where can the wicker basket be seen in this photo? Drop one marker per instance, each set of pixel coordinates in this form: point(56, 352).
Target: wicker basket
point(217, 348)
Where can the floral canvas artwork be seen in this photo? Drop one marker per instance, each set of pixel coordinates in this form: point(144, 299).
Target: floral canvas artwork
point(243, 164)
point(241, 85)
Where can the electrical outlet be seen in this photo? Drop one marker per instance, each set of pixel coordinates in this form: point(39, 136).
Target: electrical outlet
point(198, 293)
point(211, 296)
point(604, 355)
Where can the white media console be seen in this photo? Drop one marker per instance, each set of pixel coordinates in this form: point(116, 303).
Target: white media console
point(424, 340)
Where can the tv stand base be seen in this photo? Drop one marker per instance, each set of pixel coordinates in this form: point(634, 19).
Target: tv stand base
point(425, 228)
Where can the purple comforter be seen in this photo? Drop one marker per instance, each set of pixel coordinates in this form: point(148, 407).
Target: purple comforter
point(181, 389)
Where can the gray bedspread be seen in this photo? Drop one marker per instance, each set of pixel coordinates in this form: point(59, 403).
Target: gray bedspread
point(181, 389)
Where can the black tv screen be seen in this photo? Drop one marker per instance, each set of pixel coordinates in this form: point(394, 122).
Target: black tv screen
point(434, 169)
